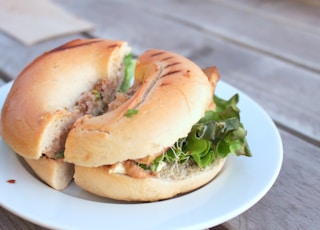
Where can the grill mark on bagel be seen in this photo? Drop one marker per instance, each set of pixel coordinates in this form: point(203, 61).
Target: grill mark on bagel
point(157, 54)
point(172, 64)
point(112, 46)
point(164, 84)
point(166, 58)
point(70, 46)
point(170, 73)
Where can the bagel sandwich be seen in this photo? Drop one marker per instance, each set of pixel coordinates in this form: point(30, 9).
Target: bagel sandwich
point(165, 137)
point(75, 113)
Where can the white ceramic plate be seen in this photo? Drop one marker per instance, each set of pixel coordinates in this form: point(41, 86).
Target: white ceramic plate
point(242, 183)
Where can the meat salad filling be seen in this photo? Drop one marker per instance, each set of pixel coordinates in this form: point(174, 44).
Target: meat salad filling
point(95, 101)
point(104, 96)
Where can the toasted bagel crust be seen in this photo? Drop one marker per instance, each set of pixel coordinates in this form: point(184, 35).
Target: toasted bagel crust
point(122, 187)
point(36, 104)
point(173, 95)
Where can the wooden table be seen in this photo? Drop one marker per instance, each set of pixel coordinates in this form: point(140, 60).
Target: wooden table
point(268, 49)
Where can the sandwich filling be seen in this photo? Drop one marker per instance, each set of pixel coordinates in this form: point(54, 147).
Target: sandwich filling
point(219, 133)
point(104, 96)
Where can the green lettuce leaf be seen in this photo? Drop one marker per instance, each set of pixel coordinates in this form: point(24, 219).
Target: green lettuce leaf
point(217, 134)
point(129, 67)
point(131, 112)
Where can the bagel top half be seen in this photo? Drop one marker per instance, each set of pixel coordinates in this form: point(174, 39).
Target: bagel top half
point(171, 93)
point(36, 115)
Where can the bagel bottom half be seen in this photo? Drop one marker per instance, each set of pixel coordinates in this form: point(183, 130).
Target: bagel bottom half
point(56, 173)
point(99, 181)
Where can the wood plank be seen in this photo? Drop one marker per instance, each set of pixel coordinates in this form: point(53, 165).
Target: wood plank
point(15, 55)
point(303, 14)
point(261, 77)
point(248, 27)
point(293, 201)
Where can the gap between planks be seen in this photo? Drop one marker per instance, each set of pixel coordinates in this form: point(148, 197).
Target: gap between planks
point(5, 77)
point(274, 17)
point(295, 133)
